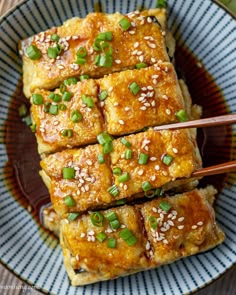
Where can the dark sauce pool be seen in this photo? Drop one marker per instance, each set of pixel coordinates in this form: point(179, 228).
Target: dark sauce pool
point(23, 166)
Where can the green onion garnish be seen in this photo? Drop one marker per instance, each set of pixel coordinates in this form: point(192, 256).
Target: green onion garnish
point(113, 190)
point(76, 116)
point(53, 109)
point(101, 159)
point(128, 154)
point(167, 159)
point(88, 101)
point(124, 24)
point(104, 137)
point(110, 216)
point(22, 110)
point(103, 95)
point(140, 65)
point(161, 4)
point(37, 99)
point(165, 206)
point(121, 202)
point(33, 127)
point(62, 88)
point(149, 194)
point(105, 36)
point(97, 59)
point(27, 120)
point(153, 222)
point(127, 235)
point(105, 61)
point(115, 224)
point(55, 37)
point(67, 133)
point(69, 201)
point(101, 237)
point(70, 81)
point(80, 60)
point(68, 173)
point(81, 52)
point(124, 177)
point(107, 148)
point(117, 171)
point(66, 96)
point(84, 77)
point(146, 186)
point(143, 159)
point(56, 98)
point(46, 107)
point(33, 52)
point(111, 243)
point(125, 142)
point(53, 52)
point(97, 218)
point(134, 88)
point(159, 192)
point(51, 95)
point(182, 116)
point(62, 107)
point(73, 215)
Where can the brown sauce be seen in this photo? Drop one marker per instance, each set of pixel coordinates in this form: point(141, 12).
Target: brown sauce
point(23, 166)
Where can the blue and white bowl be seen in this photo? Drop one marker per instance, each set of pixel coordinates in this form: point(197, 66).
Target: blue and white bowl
point(34, 255)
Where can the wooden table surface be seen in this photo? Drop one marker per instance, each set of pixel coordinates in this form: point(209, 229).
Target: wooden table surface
point(225, 285)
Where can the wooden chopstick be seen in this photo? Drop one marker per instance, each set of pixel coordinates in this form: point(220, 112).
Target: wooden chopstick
point(208, 122)
point(216, 169)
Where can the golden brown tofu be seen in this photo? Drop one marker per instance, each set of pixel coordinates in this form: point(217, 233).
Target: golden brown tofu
point(122, 112)
point(59, 130)
point(143, 41)
point(169, 155)
point(156, 233)
point(140, 98)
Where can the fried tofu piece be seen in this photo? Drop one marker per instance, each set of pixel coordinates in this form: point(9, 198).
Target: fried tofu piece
point(157, 100)
point(50, 127)
point(91, 182)
point(158, 237)
point(143, 42)
point(122, 112)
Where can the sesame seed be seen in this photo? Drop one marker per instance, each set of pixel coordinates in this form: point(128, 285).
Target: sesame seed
point(153, 103)
point(150, 87)
point(168, 112)
point(127, 109)
point(47, 68)
point(147, 104)
point(139, 52)
point(125, 187)
point(200, 223)
point(143, 94)
point(173, 218)
point(180, 226)
point(61, 67)
point(42, 129)
point(153, 59)
point(153, 177)
point(143, 108)
point(175, 237)
point(123, 226)
point(75, 37)
point(82, 235)
point(153, 159)
point(151, 45)
point(154, 209)
point(161, 215)
point(89, 162)
point(142, 22)
point(78, 192)
point(163, 229)
point(77, 257)
point(148, 246)
point(165, 241)
point(133, 24)
point(136, 44)
point(86, 188)
point(109, 230)
point(141, 58)
point(90, 232)
point(199, 64)
point(144, 88)
point(154, 81)
point(131, 32)
point(83, 189)
point(140, 172)
point(155, 77)
point(194, 227)
point(115, 104)
point(110, 89)
point(149, 20)
point(102, 103)
point(121, 184)
point(134, 52)
point(164, 173)
point(163, 33)
point(118, 61)
point(181, 219)
point(121, 122)
point(141, 98)
point(55, 123)
point(157, 167)
point(170, 222)
point(146, 148)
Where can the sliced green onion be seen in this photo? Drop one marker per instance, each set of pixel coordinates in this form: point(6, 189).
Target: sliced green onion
point(51, 95)
point(62, 88)
point(37, 99)
point(97, 60)
point(53, 109)
point(33, 127)
point(62, 107)
point(22, 110)
point(66, 96)
point(97, 218)
point(105, 36)
point(117, 171)
point(80, 60)
point(110, 216)
point(182, 116)
point(55, 37)
point(27, 120)
point(33, 52)
point(73, 215)
point(106, 48)
point(46, 107)
point(107, 148)
point(124, 24)
point(161, 4)
point(153, 222)
point(159, 192)
point(128, 237)
point(115, 224)
point(67, 133)
point(56, 98)
point(81, 52)
point(101, 237)
point(111, 243)
point(167, 159)
point(121, 202)
point(140, 65)
point(88, 101)
point(165, 206)
point(84, 77)
point(124, 177)
point(70, 81)
point(101, 159)
point(113, 190)
point(53, 52)
point(103, 95)
point(125, 142)
point(149, 194)
point(105, 61)
point(134, 88)
point(128, 154)
point(104, 137)
point(76, 116)
point(68, 173)
point(69, 201)
point(146, 186)
point(143, 159)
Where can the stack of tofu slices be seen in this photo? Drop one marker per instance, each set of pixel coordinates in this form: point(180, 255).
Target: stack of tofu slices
point(98, 87)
